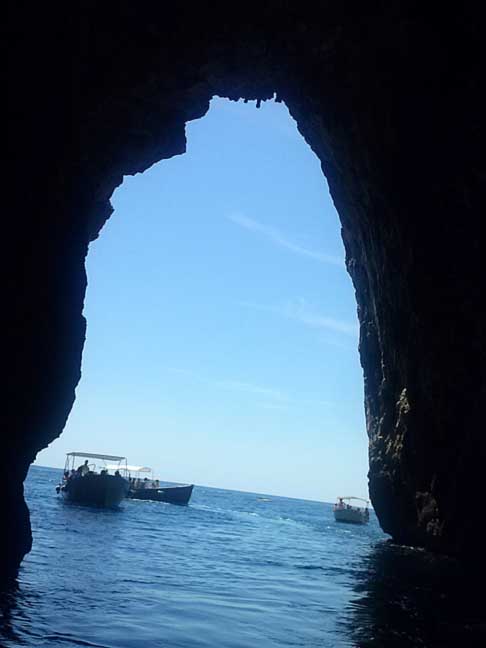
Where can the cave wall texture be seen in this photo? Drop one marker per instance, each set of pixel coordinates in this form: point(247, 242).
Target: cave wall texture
point(389, 95)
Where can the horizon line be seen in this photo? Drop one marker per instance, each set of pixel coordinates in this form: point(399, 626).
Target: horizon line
point(236, 490)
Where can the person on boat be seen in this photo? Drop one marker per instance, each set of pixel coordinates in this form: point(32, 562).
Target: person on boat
point(83, 469)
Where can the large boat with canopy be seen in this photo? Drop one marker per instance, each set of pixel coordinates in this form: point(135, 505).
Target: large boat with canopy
point(345, 511)
point(91, 483)
point(143, 486)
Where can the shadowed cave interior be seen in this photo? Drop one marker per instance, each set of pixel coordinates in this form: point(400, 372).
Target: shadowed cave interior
point(389, 98)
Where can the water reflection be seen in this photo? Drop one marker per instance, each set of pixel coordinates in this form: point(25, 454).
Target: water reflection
point(14, 611)
point(408, 597)
point(229, 571)
point(7, 602)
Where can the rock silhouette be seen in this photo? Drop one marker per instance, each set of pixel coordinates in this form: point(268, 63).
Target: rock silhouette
point(389, 95)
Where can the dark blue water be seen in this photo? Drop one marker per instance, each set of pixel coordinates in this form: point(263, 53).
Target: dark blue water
point(229, 571)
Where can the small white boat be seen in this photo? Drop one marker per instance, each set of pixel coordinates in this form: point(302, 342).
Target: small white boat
point(344, 511)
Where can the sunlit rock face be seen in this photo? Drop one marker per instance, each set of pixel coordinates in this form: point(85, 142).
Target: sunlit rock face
point(388, 95)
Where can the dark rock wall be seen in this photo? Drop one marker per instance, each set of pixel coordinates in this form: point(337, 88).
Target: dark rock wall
point(390, 97)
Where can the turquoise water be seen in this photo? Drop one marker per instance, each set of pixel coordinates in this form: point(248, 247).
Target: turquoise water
point(230, 571)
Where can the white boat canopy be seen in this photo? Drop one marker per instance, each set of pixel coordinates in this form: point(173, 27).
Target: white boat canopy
point(139, 469)
point(94, 455)
point(351, 497)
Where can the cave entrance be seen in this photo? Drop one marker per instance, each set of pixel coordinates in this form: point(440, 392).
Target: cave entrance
point(222, 331)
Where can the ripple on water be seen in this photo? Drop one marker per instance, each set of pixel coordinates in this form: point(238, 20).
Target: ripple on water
point(224, 572)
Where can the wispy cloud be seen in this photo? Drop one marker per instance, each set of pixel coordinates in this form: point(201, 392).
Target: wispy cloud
point(279, 239)
point(300, 311)
point(267, 397)
point(232, 385)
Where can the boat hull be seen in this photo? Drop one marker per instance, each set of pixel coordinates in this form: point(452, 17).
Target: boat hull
point(354, 516)
point(170, 494)
point(104, 491)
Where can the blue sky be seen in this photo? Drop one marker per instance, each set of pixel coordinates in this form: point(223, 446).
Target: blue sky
point(222, 332)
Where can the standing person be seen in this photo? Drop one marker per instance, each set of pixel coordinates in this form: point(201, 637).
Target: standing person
point(83, 469)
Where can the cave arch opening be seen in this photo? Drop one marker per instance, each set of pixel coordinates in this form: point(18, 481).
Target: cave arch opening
point(222, 329)
point(368, 94)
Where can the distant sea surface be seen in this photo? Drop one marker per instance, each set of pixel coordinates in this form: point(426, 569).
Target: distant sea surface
point(228, 571)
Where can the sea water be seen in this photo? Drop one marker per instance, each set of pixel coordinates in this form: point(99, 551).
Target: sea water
point(230, 570)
